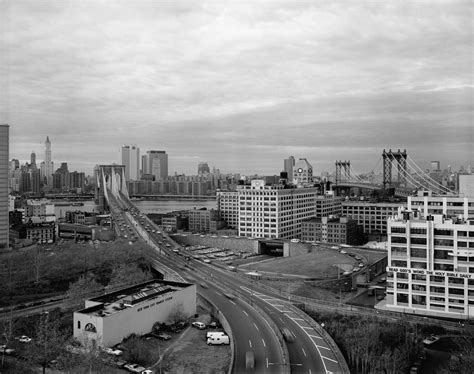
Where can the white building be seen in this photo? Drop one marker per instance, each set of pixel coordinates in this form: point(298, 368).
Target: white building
point(328, 204)
point(430, 265)
point(274, 211)
point(302, 172)
point(130, 158)
point(228, 205)
point(41, 210)
point(449, 206)
point(155, 163)
point(109, 318)
point(466, 185)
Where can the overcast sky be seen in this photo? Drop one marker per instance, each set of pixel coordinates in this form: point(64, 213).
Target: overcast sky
point(239, 84)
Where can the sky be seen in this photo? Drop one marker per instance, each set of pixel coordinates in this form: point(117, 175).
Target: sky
point(241, 85)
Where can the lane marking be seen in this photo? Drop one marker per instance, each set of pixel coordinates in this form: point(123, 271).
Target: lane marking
point(320, 346)
point(330, 359)
point(250, 343)
point(297, 319)
point(245, 313)
point(317, 337)
point(267, 362)
point(267, 323)
point(256, 326)
point(303, 352)
point(230, 301)
point(263, 341)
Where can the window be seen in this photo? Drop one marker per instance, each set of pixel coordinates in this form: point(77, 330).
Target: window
point(78, 324)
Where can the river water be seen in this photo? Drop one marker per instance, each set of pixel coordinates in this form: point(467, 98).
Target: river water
point(145, 206)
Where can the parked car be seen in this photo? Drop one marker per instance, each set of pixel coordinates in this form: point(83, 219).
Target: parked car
point(431, 340)
point(134, 368)
point(343, 252)
point(24, 339)
point(199, 325)
point(114, 352)
point(218, 340)
point(213, 325)
point(163, 336)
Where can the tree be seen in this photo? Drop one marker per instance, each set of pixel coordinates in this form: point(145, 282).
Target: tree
point(47, 343)
point(177, 314)
point(86, 286)
point(124, 275)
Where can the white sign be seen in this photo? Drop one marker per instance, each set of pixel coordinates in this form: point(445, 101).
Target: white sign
point(438, 273)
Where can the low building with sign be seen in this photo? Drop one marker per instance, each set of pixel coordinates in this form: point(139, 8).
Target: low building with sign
point(109, 318)
point(430, 265)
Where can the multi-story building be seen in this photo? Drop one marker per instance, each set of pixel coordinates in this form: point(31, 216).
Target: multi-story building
point(42, 210)
point(302, 172)
point(371, 216)
point(288, 165)
point(155, 163)
point(331, 230)
point(274, 211)
point(4, 203)
point(203, 220)
point(328, 204)
point(466, 185)
point(228, 206)
point(47, 166)
point(41, 232)
point(130, 158)
point(109, 318)
point(449, 206)
point(430, 268)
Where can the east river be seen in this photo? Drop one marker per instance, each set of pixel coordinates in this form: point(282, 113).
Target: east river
point(146, 206)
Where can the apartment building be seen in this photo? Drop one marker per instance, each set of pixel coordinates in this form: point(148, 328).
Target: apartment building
point(430, 264)
point(274, 211)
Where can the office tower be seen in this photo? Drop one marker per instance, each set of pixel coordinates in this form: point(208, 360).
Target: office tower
point(61, 178)
point(302, 172)
point(47, 166)
point(4, 202)
point(130, 157)
point(155, 163)
point(430, 265)
point(33, 159)
point(274, 211)
point(288, 165)
point(203, 168)
point(228, 206)
point(14, 164)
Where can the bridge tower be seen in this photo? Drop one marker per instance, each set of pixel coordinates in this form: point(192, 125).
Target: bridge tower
point(340, 167)
point(401, 159)
point(109, 179)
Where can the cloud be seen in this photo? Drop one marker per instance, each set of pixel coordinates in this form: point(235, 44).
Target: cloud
point(183, 75)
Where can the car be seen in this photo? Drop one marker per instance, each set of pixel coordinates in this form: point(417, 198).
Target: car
point(431, 340)
point(361, 265)
point(24, 339)
point(287, 335)
point(358, 258)
point(381, 280)
point(114, 352)
point(198, 325)
point(163, 336)
point(148, 371)
point(9, 351)
point(134, 368)
point(343, 252)
point(213, 325)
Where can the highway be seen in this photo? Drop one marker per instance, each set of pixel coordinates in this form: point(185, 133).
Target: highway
point(308, 352)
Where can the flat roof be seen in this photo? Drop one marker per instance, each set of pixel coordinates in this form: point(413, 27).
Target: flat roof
point(116, 301)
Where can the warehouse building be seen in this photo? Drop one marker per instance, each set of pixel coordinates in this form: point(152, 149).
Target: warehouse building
point(109, 318)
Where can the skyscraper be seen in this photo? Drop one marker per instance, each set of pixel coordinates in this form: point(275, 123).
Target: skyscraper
point(130, 156)
point(47, 166)
point(33, 159)
point(288, 165)
point(4, 166)
point(156, 164)
point(203, 168)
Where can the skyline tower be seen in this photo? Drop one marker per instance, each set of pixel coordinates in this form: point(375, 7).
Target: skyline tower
point(288, 165)
point(130, 158)
point(155, 163)
point(4, 167)
point(47, 166)
point(33, 158)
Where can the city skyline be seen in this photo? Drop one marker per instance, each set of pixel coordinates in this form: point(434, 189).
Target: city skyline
point(239, 85)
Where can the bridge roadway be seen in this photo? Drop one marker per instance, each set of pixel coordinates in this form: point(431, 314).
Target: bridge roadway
point(308, 353)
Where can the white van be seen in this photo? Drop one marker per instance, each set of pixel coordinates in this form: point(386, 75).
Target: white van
point(218, 340)
point(212, 334)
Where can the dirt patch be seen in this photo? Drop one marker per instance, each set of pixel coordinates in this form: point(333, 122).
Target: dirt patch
point(188, 353)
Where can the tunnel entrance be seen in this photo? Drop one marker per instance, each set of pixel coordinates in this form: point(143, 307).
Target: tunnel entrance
point(271, 248)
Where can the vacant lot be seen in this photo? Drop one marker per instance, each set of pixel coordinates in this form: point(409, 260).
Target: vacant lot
point(189, 353)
